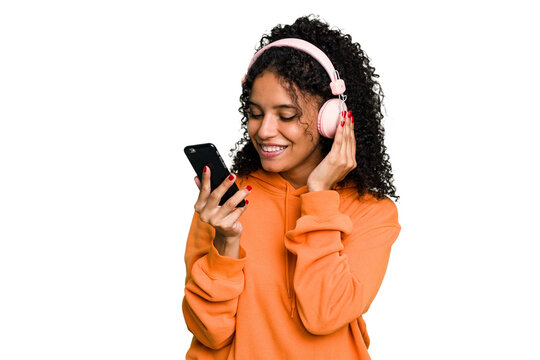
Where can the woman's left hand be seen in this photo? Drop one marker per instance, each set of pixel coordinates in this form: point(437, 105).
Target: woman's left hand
point(340, 160)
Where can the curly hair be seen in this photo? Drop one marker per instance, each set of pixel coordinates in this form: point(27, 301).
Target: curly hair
point(297, 69)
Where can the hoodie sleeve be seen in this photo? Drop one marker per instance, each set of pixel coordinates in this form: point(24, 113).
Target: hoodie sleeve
point(213, 284)
point(341, 259)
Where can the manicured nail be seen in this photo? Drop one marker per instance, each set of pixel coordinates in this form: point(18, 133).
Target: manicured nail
point(343, 113)
point(247, 201)
point(204, 169)
point(352, 119)
point(231, 177)
point(342, 123)
point(248, 188)
point(350, 114)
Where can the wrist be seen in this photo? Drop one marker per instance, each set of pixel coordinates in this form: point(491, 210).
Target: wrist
point(317, 187)
point(227, 246)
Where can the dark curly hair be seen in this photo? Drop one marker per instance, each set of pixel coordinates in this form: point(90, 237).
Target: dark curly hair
point(373, 173)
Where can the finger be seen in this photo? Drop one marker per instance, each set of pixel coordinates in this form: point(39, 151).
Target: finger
point(217, 194)
point(230, 205)
point(205, 188)
point(351, 146)
point(197, 182)
point(338, 138)
point(206, 176)
point(233, 217)
point(344, 151)
point(353, 141)
point(230, 224)
point(353, 135)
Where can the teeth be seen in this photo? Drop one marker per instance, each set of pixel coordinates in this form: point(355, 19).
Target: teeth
point(272, 148)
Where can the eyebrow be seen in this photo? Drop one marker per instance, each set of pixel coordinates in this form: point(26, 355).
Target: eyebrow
point(282, 106)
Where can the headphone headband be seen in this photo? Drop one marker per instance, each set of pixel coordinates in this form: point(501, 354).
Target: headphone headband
point(337, 85)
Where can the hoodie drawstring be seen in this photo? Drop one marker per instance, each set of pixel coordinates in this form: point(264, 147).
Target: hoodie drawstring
point(290, 292)
point(286, 254)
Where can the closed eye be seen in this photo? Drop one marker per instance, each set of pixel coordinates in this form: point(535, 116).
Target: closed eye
point(260, 116)
point(288, 118)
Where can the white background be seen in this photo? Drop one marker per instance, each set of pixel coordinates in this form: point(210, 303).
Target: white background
point(98, 99)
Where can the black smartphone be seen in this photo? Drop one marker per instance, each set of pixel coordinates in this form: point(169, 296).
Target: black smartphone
point(207, 154)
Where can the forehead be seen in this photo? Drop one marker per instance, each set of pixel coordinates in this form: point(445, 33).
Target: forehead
point(268, 92)
point(268, 88)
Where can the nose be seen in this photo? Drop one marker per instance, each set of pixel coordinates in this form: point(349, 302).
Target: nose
point(268, 127)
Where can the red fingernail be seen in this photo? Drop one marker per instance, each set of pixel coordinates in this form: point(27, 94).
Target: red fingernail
point(247, 201)
point(342, 123)
point(248, 188)
point(343, 113)
point(204, 169)
point(352, 119)
point(231, 177)
point(350, 114)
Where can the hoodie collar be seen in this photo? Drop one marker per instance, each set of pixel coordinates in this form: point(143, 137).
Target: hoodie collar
point(274, 183)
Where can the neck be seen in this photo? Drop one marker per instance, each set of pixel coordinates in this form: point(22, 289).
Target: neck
point(298, 176)
point(295, 182)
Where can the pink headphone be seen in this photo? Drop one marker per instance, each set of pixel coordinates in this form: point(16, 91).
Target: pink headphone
point(328, 119)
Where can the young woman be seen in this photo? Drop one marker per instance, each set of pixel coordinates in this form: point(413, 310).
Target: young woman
point(289, 275)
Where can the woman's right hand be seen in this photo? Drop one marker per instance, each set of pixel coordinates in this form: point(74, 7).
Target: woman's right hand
point(223, 218)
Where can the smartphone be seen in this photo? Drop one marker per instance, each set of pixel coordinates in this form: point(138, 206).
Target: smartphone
point(207, 154)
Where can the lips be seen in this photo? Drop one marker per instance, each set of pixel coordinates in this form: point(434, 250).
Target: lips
point(272, 150)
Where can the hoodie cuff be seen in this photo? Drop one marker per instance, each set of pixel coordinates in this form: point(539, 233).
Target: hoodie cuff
point(320, 203)
point(224, 267)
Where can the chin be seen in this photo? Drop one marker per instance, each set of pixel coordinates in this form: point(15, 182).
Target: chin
point(271, 167)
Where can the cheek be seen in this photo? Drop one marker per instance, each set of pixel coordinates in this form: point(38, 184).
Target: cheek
point(314, 131)
point(311, 134)
point(251, 128)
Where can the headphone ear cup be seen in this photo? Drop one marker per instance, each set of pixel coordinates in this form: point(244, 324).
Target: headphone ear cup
point(328, 119)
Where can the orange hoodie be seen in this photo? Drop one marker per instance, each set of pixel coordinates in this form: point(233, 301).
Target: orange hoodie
point(310, 265)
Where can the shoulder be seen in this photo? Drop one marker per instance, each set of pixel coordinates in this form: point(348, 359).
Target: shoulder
point(369, 208)
point(374, 220)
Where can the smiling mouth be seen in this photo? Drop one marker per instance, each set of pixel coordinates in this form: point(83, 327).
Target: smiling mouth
point(271, 148)
point(272, 151)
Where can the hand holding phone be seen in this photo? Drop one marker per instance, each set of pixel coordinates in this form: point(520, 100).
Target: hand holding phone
point(213, 205)
point(201, 155)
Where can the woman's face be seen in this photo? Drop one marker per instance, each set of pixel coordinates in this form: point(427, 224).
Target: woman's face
point(276, 133)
